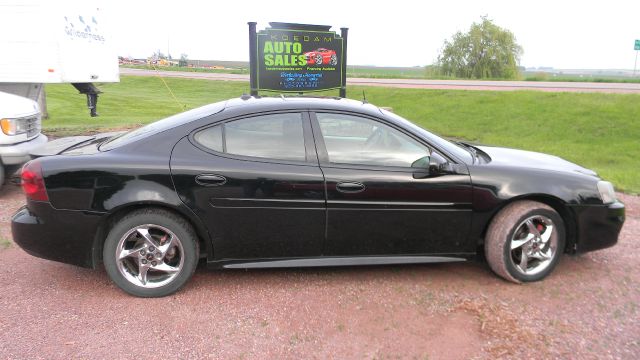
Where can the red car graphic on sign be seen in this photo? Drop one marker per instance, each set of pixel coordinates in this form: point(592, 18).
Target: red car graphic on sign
point(322, 56)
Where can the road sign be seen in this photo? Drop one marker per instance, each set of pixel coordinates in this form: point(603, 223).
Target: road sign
point(637, 45)
point(297, 58)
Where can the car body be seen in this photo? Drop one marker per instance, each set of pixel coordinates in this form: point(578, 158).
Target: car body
point(278, 182)
point(322, 56)
point(20, 124)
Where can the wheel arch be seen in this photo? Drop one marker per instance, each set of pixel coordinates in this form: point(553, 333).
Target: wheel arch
point(557, 204)
point(118, 213)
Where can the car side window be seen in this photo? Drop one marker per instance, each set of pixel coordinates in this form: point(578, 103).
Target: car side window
point(275, 136)
point(357, 140)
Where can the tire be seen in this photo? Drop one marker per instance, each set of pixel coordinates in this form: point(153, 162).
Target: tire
point(526, 228)
point(151, 253)
point(334, 60)
point(318, 59)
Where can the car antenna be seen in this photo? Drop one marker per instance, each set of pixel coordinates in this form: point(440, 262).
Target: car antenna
point(364, 98)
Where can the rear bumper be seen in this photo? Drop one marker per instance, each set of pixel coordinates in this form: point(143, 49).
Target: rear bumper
point(16, 154)
point(598, 226)
point(59, 235)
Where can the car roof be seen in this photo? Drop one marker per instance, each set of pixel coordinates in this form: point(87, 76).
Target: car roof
point(252, 104)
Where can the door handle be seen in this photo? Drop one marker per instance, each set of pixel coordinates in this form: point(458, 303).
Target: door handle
point(350, 187)
point(210, 180)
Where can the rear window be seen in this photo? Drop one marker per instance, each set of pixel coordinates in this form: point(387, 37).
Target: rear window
point(163, 125)
point(277, 136)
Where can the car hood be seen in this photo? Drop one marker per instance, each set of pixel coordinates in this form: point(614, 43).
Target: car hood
point(530, 159)
point(14, 106)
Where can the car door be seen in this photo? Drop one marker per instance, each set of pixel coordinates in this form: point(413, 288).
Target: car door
point(256, 184)
point(378, 204)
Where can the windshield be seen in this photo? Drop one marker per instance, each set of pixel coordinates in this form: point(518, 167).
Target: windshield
point(162, 125)
point(448, 146)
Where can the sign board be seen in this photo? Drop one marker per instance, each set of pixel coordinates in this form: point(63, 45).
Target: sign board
point(298, 58)
point(637, 45)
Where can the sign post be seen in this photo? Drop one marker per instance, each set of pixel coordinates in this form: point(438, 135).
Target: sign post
point(636, 47)
point(297, 58)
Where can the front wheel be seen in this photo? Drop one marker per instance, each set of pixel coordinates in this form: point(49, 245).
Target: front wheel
point(150, 253)
point(525, 241)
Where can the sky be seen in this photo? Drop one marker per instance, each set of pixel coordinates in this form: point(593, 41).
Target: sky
point(560, 34)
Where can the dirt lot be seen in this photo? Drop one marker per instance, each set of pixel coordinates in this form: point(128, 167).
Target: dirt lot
point(588, 309)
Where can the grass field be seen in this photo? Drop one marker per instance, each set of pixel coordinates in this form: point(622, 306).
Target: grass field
point(599, 131)
point(415, 72)
point(352, 71)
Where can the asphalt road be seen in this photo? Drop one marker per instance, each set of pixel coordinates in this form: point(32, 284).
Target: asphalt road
point(424, 84)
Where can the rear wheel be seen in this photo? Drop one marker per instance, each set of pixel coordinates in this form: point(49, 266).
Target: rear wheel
point(525, 241)
point(150, 253)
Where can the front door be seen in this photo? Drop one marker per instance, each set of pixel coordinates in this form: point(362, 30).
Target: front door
point(255, 182)
point(378, 204)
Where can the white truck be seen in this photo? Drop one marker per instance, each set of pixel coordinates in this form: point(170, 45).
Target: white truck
point(46, 42)
point(20, 123)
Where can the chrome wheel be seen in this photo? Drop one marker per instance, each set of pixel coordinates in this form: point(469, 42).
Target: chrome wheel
point(534, 245)
point(149, 256)
point(319, 59)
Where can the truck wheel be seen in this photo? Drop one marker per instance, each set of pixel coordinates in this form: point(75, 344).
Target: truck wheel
point(525, 241)
point(151, 253)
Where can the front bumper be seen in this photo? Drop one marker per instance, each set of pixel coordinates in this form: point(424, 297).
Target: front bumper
point(16, 154)
point(60, 235)
point(598, 226)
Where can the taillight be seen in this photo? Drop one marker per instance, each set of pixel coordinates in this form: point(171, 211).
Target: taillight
point(33, 182)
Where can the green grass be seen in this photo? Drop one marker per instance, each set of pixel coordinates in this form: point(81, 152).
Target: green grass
point(599, 131)
point(132, 102)
point(539, 76)
point(188, 69)
point(352, 71)
point(414, 72)
point(5, 243)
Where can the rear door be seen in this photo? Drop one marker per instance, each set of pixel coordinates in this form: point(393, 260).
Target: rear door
point(378, 204)
point(256, 183)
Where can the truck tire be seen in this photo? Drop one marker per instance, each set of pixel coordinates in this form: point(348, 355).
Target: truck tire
point(2, 175)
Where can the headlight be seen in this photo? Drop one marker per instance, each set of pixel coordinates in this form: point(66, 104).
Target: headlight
point(13, 126)
point(607, 193)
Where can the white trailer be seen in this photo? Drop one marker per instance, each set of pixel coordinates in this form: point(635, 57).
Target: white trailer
point(47, 42)
point(54, 42)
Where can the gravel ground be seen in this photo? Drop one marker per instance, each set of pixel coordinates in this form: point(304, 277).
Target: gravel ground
point(587, 309)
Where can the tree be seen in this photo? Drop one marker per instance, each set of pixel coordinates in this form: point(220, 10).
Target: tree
point(183, 60)
point(486, 51)
point(158, 56)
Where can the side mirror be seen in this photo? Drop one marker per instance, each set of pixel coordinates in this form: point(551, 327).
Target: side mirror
point(422, 163)
point(430, 166)
point(438, 165)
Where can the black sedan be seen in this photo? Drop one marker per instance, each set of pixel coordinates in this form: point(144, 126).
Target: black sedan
point(290, 182)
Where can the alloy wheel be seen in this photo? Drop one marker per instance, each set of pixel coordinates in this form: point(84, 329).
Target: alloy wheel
point(149, 256)
point(533, 245)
